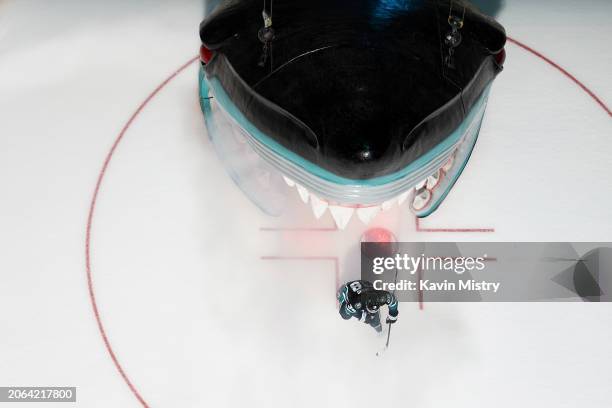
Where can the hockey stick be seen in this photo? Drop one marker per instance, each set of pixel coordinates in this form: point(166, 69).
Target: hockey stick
point(389, 331)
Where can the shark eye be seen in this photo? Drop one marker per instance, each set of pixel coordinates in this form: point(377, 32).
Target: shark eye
point(500, 57)
point(205, 54)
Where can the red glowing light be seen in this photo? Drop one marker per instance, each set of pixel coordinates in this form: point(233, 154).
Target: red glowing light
point(500, 57)
point(378, 235)
point(383, 243)
point(205, 54)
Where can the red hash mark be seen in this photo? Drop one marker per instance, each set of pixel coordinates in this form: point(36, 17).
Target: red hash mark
point(298, 229)
point(417, 223)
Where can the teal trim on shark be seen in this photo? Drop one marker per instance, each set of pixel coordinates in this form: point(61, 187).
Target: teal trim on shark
point(223, 99)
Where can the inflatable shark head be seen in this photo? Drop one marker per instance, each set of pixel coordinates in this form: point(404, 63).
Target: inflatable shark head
point(358, 104)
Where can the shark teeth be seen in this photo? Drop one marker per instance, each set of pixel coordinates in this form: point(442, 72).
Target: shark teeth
point(388, 204)
point(421, 184)
point(367, 214)
point(318, 206)
point(447, 166)
point(304, 194)
point(403, 197)
point(289, 182)
point(421, 199)
point(434, 180)
point(342, 215)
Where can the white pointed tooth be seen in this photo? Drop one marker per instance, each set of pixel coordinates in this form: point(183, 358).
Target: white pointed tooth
point(289, 182)
point(403, 197)
point(433, 180)
point(447, 166)
point(367, 214)
point(318, 206)
point(342, 215)
point(388, 204)
point(421, 199)
point(421, 184)
point(303, 193)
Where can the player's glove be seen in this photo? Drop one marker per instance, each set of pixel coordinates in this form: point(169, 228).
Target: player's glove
point(391, 319)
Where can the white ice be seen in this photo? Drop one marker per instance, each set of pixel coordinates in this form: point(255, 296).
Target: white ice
point(208, 303)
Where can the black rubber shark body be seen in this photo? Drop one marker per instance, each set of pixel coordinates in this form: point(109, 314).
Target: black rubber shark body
point(360, 88)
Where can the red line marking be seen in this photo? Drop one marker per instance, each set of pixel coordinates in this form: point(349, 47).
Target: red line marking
point(90, 217)
point(420, 229)
point(298, 229)
point(564, 72)
point(310, 258)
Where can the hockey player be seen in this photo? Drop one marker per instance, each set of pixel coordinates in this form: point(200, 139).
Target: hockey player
point(359, 299)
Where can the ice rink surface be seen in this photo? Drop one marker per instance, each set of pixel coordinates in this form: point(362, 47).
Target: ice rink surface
point(204, 301)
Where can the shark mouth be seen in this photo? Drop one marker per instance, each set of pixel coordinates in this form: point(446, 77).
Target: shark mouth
point(266, 176)
point(357, 108)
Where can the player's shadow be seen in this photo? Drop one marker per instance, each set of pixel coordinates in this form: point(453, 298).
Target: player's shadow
point(490, 7)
